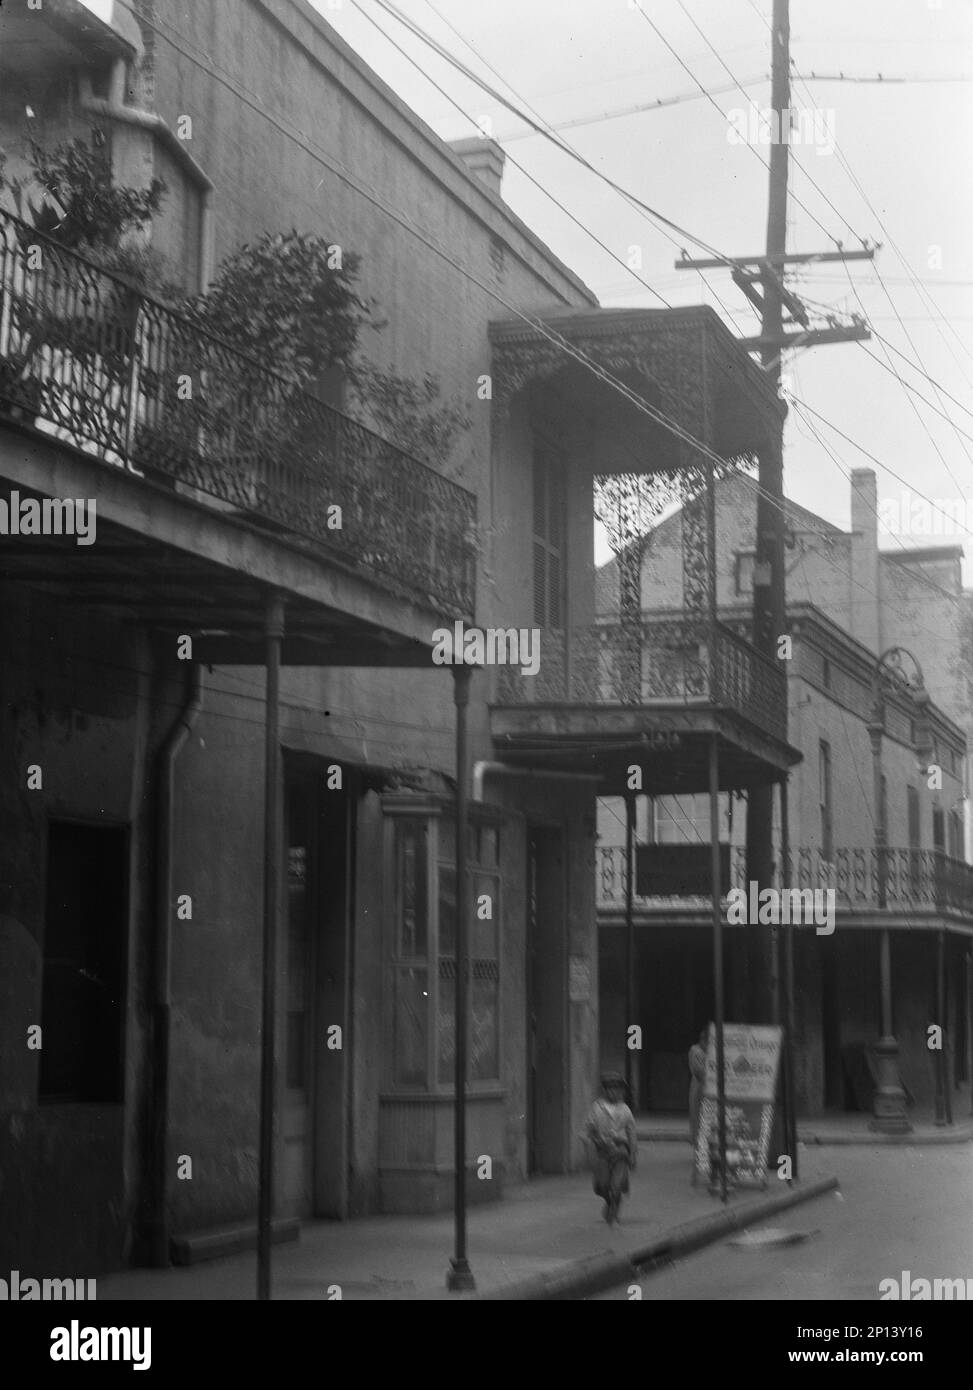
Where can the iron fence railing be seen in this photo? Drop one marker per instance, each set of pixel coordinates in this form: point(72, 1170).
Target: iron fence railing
point(915, 879)
point(650, 660)
point(112, 372)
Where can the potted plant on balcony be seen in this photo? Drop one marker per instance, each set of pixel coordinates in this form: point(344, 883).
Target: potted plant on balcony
point(71, 328)
point(291, 302)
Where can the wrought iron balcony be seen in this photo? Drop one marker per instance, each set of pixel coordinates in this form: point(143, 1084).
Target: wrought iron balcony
point(652, 660)
point(916, 880)
point(109, 371)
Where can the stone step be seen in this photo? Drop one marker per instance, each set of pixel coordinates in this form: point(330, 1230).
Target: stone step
point(193, 1247)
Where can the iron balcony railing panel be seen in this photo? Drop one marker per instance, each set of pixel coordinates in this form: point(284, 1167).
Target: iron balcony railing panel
point(750, 683)
point(112, 372)
point(650, 660)
point(614, 664)
point(904, 878)
point(915, 879)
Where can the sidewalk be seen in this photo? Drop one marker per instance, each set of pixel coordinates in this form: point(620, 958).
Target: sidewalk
point(831, 1129)
point(535, 1230)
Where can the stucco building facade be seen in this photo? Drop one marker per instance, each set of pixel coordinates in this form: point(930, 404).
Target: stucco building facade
point(847, 602)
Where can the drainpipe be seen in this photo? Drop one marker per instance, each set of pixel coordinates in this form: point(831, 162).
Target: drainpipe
point(485, 769)
point(114, 109)
point(165, 787)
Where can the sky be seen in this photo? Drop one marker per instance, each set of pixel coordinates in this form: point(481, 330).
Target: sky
point(881, 162)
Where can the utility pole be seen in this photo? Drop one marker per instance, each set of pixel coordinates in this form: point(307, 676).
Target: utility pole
point(761, 278)
point(769, 616)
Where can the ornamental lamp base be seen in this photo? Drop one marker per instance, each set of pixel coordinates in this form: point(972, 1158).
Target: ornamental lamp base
point(459, 1277)
point(888, 1103)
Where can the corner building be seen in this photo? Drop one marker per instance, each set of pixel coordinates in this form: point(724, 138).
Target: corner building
point(132, 888)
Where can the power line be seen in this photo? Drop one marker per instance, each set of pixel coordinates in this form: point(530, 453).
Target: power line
point(903, 385)
point(793, 154)
point(715, 104)
point(526, 172)
point(892, 348)
point(894, 372)
point(311, 148)
point(892, 242)
point(628, 199)
point(574, 154)
point(638, 108)
point(539, 326)
point(884, 466)
point(846, 474)
point(907, 386)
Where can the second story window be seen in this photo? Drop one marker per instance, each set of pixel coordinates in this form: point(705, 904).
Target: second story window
point(548, 531)
point(912, 803)
point(743, 571)
point(955, 824)
point(939, 830)
point(824, 785)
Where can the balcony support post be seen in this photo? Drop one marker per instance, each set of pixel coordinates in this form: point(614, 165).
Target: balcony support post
point(969, 1021)
point(888, 1103)
point(459, 1276)
point(769, 623)
point(273, 633)
point(786, 986)
point(944, 1109)
point(715, 887)
point(630, 993)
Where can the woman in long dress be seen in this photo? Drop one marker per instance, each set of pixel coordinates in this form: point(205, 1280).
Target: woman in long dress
point(697, 1073)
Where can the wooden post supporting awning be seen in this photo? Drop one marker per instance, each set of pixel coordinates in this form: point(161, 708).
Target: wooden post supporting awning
point(274, 633)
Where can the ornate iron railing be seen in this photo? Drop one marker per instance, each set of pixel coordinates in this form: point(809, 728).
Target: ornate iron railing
point(114, 373)
point(915, 879)
point(652, 660)
point(750, 683)
point(610, 888)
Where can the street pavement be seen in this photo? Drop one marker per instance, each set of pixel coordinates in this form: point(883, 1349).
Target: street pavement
point(905, 1208)
point(900, 1207)
point(533, 1230)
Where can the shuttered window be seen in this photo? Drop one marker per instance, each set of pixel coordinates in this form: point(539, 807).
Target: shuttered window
point(548, 539)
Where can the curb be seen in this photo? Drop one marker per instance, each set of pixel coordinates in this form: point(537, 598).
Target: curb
point(597, 1273)
point(956, 1134)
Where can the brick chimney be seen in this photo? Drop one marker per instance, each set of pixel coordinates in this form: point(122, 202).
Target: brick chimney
point(865, 572)
point(482, 157)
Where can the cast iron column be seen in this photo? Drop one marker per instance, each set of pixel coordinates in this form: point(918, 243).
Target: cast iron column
point(274, 632)
point(714, 834)
point(787, 987)
point(459, 1276)
point(969, 1021)
point(888, 1103)
point(629, 940)
point(944, 1108)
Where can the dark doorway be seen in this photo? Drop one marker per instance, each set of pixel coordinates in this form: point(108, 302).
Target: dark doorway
point(546, 993)
point(319, 841)
point(83, 985)
point(834, 1073)
point(675, 1003)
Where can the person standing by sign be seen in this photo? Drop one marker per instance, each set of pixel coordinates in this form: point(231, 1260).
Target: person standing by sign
point(610, 1129)
point(697, 1075)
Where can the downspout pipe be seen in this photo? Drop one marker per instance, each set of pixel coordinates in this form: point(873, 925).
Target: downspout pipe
point(173, 744)
point(484, 769)
point(113, 108)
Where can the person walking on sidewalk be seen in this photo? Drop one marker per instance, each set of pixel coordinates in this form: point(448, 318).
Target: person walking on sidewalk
point(610, 1129)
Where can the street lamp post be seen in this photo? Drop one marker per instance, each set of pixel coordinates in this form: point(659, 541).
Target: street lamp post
point(898, 668)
